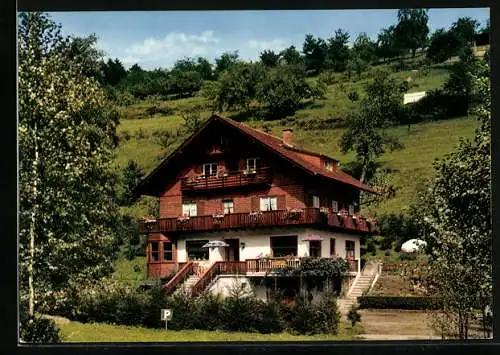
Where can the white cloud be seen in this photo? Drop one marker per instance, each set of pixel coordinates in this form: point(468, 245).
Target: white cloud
point(276, 44)
point(173, 46)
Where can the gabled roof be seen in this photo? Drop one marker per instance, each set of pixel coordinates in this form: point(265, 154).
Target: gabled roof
point(274, 144)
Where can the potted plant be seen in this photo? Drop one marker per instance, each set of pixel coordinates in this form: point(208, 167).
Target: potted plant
point(218, 217)
point(294, 214)
point(255, 216)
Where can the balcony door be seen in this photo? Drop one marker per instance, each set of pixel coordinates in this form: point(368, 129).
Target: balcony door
point(315, 248)
point(349, 249)
point(233, 250)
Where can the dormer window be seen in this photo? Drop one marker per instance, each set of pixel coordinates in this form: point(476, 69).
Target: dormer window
point(328, 164)
point(253, 164)
point(210, 169)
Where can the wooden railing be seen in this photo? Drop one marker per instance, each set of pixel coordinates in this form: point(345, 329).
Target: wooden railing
point(308, 216)
point(217, 268)
point(270, 264)
point(181, 276)
point(229, 179)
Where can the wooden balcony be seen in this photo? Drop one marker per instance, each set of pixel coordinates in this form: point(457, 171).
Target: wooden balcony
point(308, 216)
point(228, 180)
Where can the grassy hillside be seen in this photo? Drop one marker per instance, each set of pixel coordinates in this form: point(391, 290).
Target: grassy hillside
point(423, 143)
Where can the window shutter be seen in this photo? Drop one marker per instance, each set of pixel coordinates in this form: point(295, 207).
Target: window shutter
point(200, 208)
point(281, 203)
point(254, 204)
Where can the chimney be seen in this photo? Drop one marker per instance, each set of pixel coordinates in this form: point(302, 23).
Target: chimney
point(287, 136)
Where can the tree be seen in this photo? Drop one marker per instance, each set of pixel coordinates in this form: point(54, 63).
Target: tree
point(269, 58)
point(185, 83)
point(462, 74)
point(236, 87)
point(457, 216)
point(443, 45)
point(113, 71)
point(338, 51)
point(366, 132)
point(365, 48)
point(465, 29)
point(66, 140)
point(282, 89)
point(384, 99)
point(225, 61)
point(386, 44)
point(204, 68)
point(315, 51)
point(291, 56)
point(131, 177)
point(356, 64)
point(367, 139)
point(412, 30)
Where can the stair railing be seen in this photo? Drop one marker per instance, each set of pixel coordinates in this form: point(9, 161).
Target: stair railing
point(205, 279)
point(181, 276)
point(375, 276)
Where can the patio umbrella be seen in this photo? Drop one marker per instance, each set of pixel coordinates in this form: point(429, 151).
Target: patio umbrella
point(312, 237)
point(413, 245)
point(215, 244)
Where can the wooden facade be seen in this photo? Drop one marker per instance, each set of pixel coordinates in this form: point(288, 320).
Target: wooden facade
point(228, 176)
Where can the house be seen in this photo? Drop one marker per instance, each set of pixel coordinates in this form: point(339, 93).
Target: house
point(236, 200)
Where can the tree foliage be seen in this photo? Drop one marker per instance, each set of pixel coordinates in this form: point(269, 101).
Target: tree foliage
point(66, 139)
point(443, 45)
point(338, 51)
point(315, 52)
point(269, 58)
point(412, 30)
point(131, 176)
point(457, 216)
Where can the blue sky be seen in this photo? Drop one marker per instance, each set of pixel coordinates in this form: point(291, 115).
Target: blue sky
point(158, 39)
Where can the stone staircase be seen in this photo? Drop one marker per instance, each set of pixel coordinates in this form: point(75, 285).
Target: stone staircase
point(361, 284)
point(187, 285)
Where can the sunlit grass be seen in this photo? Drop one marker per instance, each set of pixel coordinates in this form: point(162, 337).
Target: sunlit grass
point(98, 332)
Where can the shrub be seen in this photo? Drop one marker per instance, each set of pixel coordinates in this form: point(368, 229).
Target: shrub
point(394, 302)
point(353, 316)
point(140, 134)
point(407, 256)
point(125, 135)
point(353, 96)
point(38, 330)
point(308, 318)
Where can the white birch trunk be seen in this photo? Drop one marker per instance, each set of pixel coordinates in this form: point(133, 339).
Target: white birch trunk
point(32, 230)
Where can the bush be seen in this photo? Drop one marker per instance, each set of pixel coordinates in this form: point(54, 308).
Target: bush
point(308, 318)
point(394, 302)
point(38, 330)
point(407, 256)
point(353, 96)
point(353, 316)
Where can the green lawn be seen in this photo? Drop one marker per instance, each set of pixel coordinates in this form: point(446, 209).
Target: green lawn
point(132, 272)
point(97, 332)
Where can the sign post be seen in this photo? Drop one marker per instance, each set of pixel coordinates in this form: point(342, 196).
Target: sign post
point(166, 315)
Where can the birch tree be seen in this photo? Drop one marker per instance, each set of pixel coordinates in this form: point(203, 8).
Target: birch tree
point(66, 139)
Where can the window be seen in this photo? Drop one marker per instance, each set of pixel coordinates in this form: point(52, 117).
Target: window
point(209, 169)
point(328, 165)
point(268, 203)
point(332, 246)
point(189, 209)
point(335, 206)
point(228, 206)
point(284, 246)
point(154, 251)
point(351, 210)
point(195, 250)
point(315, 201)
point(349, 249)
point(253, 164)
point(315, 248)
point(168, 251)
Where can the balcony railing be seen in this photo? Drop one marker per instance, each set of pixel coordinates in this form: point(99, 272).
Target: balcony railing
point(226, 180)
point(270, 264)
point(308, 216)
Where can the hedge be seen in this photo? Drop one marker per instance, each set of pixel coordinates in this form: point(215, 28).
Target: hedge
point(396, 302)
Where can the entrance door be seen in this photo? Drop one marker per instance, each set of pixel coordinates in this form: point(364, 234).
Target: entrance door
point(233, 250)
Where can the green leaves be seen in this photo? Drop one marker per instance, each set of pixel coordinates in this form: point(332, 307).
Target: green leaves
point(66, 141)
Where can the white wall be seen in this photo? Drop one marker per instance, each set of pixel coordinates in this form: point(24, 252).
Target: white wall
point(258, 242)
point(224, 284)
